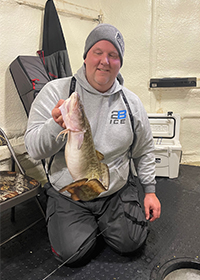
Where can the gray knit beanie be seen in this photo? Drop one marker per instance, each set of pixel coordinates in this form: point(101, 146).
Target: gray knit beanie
point(107, 32)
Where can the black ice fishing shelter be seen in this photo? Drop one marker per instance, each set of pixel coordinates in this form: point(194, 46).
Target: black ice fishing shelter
point(31, 73)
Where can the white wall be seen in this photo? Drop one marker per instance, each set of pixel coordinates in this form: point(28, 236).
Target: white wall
point(162, 40)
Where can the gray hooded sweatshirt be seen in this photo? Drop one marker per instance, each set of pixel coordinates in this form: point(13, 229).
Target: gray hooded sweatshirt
point(111, 130)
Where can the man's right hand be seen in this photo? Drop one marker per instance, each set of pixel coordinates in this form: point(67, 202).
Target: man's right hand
point(56, 114)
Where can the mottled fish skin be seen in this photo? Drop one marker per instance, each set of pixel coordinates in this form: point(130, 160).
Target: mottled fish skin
point(90, 175)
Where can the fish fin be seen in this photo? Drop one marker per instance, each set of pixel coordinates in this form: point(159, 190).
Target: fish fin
point(80, 140)
point(75, 197)
point(99, 155)
point(90, 190)
point(95, 185)
point(78, 183)
point(62, 132)
point(84, 189)
point(105, 175)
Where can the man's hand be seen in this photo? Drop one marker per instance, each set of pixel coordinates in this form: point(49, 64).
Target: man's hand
point(56, 114)
point(152, 207)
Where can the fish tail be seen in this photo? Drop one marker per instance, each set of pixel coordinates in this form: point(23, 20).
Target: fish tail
point(105, 175)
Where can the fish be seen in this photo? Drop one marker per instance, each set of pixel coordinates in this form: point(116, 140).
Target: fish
point(90, 175)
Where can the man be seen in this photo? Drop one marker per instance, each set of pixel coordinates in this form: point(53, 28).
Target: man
point(120, 127)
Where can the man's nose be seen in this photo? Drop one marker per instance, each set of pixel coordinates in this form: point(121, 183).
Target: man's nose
point(104, 59)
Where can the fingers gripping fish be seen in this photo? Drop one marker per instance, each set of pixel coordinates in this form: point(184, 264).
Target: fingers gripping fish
point(90, 175)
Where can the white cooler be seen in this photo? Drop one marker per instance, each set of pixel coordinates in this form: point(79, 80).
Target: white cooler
point(166, 130)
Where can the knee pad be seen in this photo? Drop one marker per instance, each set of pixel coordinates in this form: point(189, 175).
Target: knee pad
point(80, 256)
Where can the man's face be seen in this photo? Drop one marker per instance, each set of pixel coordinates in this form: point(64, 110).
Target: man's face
point(102, 65)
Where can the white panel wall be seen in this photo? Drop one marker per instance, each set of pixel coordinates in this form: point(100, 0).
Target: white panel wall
point(163, 40)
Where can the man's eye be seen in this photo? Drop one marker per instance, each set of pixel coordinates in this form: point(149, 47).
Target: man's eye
point(113, 55)
point(98, 53)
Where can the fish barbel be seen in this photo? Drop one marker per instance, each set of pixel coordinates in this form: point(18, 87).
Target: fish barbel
point(90, 175)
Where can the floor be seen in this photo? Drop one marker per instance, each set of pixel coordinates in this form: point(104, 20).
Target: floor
point(174, 238)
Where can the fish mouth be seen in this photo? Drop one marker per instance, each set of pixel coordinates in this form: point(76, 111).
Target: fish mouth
point(73, 103)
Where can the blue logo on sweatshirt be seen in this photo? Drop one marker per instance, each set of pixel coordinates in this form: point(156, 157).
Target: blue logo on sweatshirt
point(118, 117)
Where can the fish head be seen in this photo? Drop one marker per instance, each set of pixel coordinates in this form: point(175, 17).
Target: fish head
point(73, 113)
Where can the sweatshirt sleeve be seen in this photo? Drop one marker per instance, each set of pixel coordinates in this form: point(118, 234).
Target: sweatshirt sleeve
point(42, 130)
point(143, 150)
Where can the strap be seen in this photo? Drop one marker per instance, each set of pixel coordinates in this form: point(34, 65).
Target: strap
point(135, 221)
point(44, 166)
point(132, 125)
point(72, 85)
point(129, 110)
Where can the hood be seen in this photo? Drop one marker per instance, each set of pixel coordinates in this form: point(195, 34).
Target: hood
point(81, 78)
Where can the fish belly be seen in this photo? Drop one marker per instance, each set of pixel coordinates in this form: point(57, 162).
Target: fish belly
point(81, 162)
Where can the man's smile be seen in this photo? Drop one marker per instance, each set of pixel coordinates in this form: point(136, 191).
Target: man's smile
point(103, 70)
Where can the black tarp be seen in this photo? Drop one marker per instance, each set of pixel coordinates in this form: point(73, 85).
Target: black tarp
point(54, 53)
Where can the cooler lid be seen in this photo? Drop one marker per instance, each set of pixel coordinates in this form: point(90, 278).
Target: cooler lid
point(165, 126)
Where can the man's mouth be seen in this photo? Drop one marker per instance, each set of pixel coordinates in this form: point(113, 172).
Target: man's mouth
point(102, 70)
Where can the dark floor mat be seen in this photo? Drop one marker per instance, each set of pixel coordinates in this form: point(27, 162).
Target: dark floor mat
point(174, 235)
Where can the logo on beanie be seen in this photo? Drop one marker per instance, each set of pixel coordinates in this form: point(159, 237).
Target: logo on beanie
point(120, 41)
